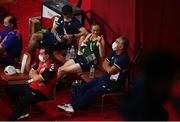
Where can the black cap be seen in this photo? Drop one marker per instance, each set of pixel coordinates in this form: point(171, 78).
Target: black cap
point(67, 9)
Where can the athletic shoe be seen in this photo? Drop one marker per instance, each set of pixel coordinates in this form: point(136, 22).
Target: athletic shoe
point(23, 116)
point(66, 107)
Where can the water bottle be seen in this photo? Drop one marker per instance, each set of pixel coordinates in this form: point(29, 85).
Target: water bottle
point(92, 70)
point(72, 52)
point(68, 54)
point(75, 87)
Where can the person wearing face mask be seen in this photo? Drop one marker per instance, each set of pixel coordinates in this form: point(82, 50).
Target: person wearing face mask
point(38, 87)
point(63, 33)
point(10, 42)
point(110, 81)
point(91, 48)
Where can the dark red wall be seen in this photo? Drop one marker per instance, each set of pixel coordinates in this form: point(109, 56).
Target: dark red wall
point(152, 23)
point(86, 4)
point(158, 24)
point(117, 16)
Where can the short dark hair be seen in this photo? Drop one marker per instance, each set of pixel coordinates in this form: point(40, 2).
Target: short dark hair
point(125, 42)
point(13, 21)
point(48, 50)
point(67, 9)
point(94, 23)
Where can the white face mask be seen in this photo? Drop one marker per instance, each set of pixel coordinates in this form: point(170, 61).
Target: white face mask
point(67, 20)
point(41, 58)
point(114, 46)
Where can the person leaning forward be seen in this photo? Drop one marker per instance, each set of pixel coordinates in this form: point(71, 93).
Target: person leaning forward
point(63, 32)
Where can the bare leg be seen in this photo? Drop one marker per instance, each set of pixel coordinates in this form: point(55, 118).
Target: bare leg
point(33, 42)
point(58, 56)
point(69, 63)
point(73, 68)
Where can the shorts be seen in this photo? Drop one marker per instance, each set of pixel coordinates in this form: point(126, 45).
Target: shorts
point(83, 63)
point(50, 40)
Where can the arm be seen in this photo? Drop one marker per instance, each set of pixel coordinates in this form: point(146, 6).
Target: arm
point(56, 22)
point(54, 27)
point(8, 42)
point(2, 50)
point(33, 74)
point(84, 40)
point(45, 75)
point(110, 69)
point(3, 34)
point(101, 45)
point(82, 32)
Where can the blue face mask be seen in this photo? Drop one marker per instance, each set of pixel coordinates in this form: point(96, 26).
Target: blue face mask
point(6, 28)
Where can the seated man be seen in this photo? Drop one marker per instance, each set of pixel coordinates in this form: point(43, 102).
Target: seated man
point(63, 32)
point(10, 42)
point(38, 88)
point(113, 66)
point(91, 48)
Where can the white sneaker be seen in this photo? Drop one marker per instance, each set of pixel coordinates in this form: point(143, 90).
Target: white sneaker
point(66, 107)
point(23, 116)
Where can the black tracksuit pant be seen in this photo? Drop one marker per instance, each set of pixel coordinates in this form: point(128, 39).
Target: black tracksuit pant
point(23, 96)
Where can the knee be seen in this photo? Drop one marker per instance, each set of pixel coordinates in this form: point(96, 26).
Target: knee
point(61, 71)
point(57, 55)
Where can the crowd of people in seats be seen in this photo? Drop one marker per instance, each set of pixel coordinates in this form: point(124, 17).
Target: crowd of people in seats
point(43, 76)
point(65, 32)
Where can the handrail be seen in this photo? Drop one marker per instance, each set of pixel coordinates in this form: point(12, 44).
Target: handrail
point(79, 4)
